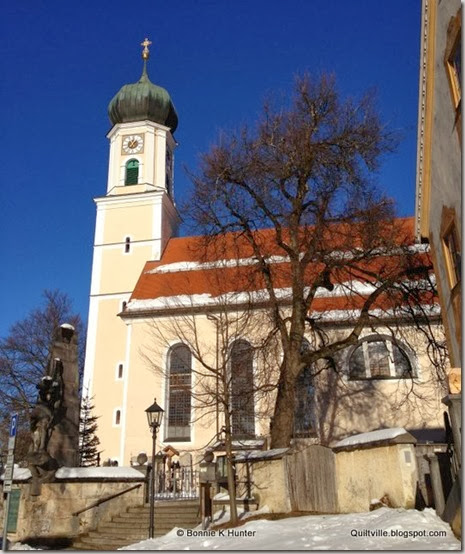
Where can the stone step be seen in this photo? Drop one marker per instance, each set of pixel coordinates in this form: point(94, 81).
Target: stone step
point(132, 526)
point(108, 542)
point(116, 523)
point(181, 507)
point(118, 529)
point(161, 513)
point(132, 536)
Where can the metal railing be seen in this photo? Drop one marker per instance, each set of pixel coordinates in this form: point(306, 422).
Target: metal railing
point(106, 499)
point(180, 483)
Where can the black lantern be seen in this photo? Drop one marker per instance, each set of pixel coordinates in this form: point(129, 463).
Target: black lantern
point(154, 415)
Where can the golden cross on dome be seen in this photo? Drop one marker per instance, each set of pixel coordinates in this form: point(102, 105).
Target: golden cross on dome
point(145, 51)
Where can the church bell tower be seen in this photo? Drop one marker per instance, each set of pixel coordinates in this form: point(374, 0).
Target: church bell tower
point(135, 220)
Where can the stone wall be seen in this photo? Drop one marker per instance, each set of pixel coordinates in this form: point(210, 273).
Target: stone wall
point(350, 482)
point(270, 485)
point(363, 475)
point(50, 515)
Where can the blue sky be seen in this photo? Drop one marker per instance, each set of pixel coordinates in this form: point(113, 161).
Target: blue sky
point(63, 61)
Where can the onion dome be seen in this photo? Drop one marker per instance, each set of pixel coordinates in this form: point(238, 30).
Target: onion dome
point(143, 100)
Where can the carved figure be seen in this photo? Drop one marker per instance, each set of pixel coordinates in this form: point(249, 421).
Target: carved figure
point(44, 416)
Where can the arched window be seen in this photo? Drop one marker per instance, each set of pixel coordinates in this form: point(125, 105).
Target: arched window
point(304, 408)
point(132, 173)
point(179, 393)
point(379, 357)
point(242, 400)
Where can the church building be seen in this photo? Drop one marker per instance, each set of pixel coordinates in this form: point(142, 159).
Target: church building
point(163, 318)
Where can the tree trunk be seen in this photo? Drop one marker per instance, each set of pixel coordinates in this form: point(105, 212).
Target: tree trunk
point(231, 479)
point(282, 427)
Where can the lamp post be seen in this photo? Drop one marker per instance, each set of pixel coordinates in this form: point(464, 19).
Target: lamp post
point(154, 417)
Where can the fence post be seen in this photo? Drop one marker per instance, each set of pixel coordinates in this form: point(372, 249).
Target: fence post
point(436, 483)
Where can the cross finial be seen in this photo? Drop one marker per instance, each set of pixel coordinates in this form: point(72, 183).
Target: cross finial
point(145, 52)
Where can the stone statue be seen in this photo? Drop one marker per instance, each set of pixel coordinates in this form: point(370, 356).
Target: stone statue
point(47, 410)
point(43, 417)
point(55, 417)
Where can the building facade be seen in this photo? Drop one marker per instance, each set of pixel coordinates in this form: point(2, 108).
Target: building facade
point(439, 158)
point(166, 322)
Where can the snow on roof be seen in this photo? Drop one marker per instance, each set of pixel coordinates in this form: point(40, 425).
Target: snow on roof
point(192, 273)
point(257, 455)
point(99, 473)
point(19, 474)
point(23, 473)
point(381, 435)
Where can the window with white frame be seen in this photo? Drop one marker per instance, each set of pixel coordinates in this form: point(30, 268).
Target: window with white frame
point(131, 176)
point(178, 425)
point(242, 398)
point(379, 357)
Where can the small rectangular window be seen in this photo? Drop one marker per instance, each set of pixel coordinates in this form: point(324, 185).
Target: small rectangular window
point(120, 371)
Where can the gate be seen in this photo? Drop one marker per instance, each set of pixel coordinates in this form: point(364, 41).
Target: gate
point(176, 484)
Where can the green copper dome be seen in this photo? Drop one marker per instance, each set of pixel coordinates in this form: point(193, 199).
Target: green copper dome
point(143, 100)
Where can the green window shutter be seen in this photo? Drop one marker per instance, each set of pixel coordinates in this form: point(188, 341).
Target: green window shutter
point(132, 173)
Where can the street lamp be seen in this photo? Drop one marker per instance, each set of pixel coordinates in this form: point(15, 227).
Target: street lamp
point(154, 417)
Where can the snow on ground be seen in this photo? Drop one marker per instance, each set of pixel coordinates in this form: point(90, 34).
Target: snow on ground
point(21, 546)
point(383, 529)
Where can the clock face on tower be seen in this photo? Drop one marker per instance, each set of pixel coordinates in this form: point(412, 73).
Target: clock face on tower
point(132, 144)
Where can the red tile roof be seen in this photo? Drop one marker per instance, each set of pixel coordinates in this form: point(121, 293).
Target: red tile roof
point(188, 267)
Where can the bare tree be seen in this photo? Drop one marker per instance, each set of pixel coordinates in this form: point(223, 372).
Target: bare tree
point(227, 399)
point(305, 173)
point(24, 356)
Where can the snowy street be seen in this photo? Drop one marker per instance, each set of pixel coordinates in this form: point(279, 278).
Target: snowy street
point(383, 529)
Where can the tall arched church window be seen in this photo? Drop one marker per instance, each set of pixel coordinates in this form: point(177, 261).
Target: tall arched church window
point(380, 357)
point(242, 398)
point(304, 408)
point(179, 394)
point(132, 173)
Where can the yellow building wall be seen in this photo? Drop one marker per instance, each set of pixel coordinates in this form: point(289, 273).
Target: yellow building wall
point(119, 269)
point(134, 220)
point(345, 407)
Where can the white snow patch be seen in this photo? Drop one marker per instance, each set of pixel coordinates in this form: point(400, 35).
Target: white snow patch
point(260, 454)
point(98, 473)
point(181, 266)
point(383, 529)
point(372, 436)
point(341, 290)
point(19, 474)
point(176, 267)
point(22, 546)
